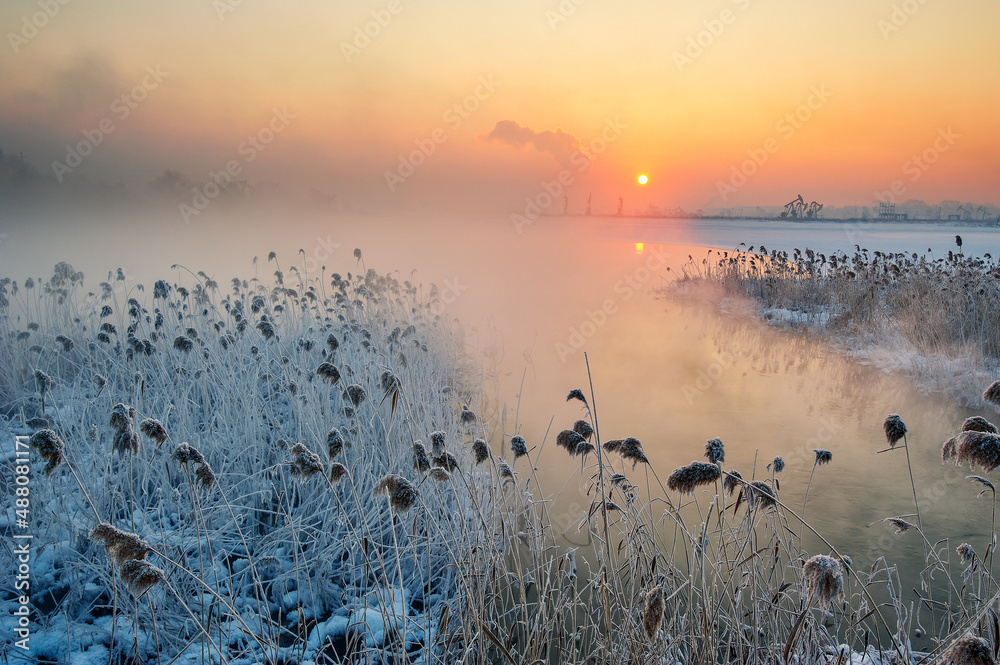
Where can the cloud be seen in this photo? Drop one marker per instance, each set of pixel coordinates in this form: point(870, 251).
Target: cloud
point(559, 144)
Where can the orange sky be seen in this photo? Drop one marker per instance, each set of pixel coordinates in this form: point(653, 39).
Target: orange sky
point(884, 85)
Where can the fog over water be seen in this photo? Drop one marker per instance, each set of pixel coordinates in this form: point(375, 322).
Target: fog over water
point(672, 374)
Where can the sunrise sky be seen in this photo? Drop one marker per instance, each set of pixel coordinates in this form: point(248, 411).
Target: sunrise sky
point(684, 92)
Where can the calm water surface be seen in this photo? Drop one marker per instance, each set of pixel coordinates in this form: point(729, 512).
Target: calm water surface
point(672, 374)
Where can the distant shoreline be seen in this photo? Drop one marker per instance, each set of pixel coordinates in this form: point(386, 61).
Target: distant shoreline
point(834, 220)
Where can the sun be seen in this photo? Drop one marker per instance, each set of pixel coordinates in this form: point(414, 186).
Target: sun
point(643, 179)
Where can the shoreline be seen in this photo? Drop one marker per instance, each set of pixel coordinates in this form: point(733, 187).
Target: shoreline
point(987, 223)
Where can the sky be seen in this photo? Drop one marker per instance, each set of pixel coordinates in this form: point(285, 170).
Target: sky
point(439, 104)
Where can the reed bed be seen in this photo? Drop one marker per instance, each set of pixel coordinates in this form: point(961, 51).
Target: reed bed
point(944, 309)
point(308, 471)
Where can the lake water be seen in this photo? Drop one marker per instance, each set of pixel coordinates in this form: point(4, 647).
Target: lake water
point(672, 374)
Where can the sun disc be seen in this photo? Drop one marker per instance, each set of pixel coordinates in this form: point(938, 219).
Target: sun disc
point(643, 180)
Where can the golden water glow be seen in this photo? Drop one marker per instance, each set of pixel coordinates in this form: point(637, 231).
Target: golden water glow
point(639, 247)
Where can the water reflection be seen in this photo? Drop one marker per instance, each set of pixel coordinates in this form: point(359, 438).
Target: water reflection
point(672, 373)
point(698, 370)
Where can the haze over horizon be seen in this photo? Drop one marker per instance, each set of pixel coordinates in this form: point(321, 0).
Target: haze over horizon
point(388, 105)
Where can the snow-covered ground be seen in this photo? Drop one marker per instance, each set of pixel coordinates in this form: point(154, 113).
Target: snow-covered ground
point(238, 439)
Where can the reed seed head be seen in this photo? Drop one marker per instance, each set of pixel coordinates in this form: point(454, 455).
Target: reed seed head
point(329, 372)
point(125, 441)
point(334, 442)
point(576, 393)
point(121, 417)
point(337, 471)
point(612, 446)
point(185, 453)
point(505, 471)
point(778, 464)
point(824, 579)
point(205, 476)
point(183, 343)
point(569, 439)
point(902, 526)
point(895, 429)
point(760, 495)
point(631, 449)
point(305, 463)
point(161, 290)
point(966, 552)
point(446, 461)
point(984, 482)
point(154, 429)
point(583, 449)
point(467, 416)
point(402, 495)
point(518, 446)
point(437, 443)
point(50, 447)
point(140, 575)
point(949, 449)
point(977, 448)
point(481, 450)
point(583, 428)
point(715, 452)
point(686, 478)
point(440, 475)
point(732, 482)
point(652, 611)
point(43, 382)
point(421, 462)
point(389, 381)
point(120, 545)
point(356, 394)
point(978, 424)
point(266, 328)
point(66, 342)
point(968, 650)
point(992, 394)
point(822, 456)
point(39, 422)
